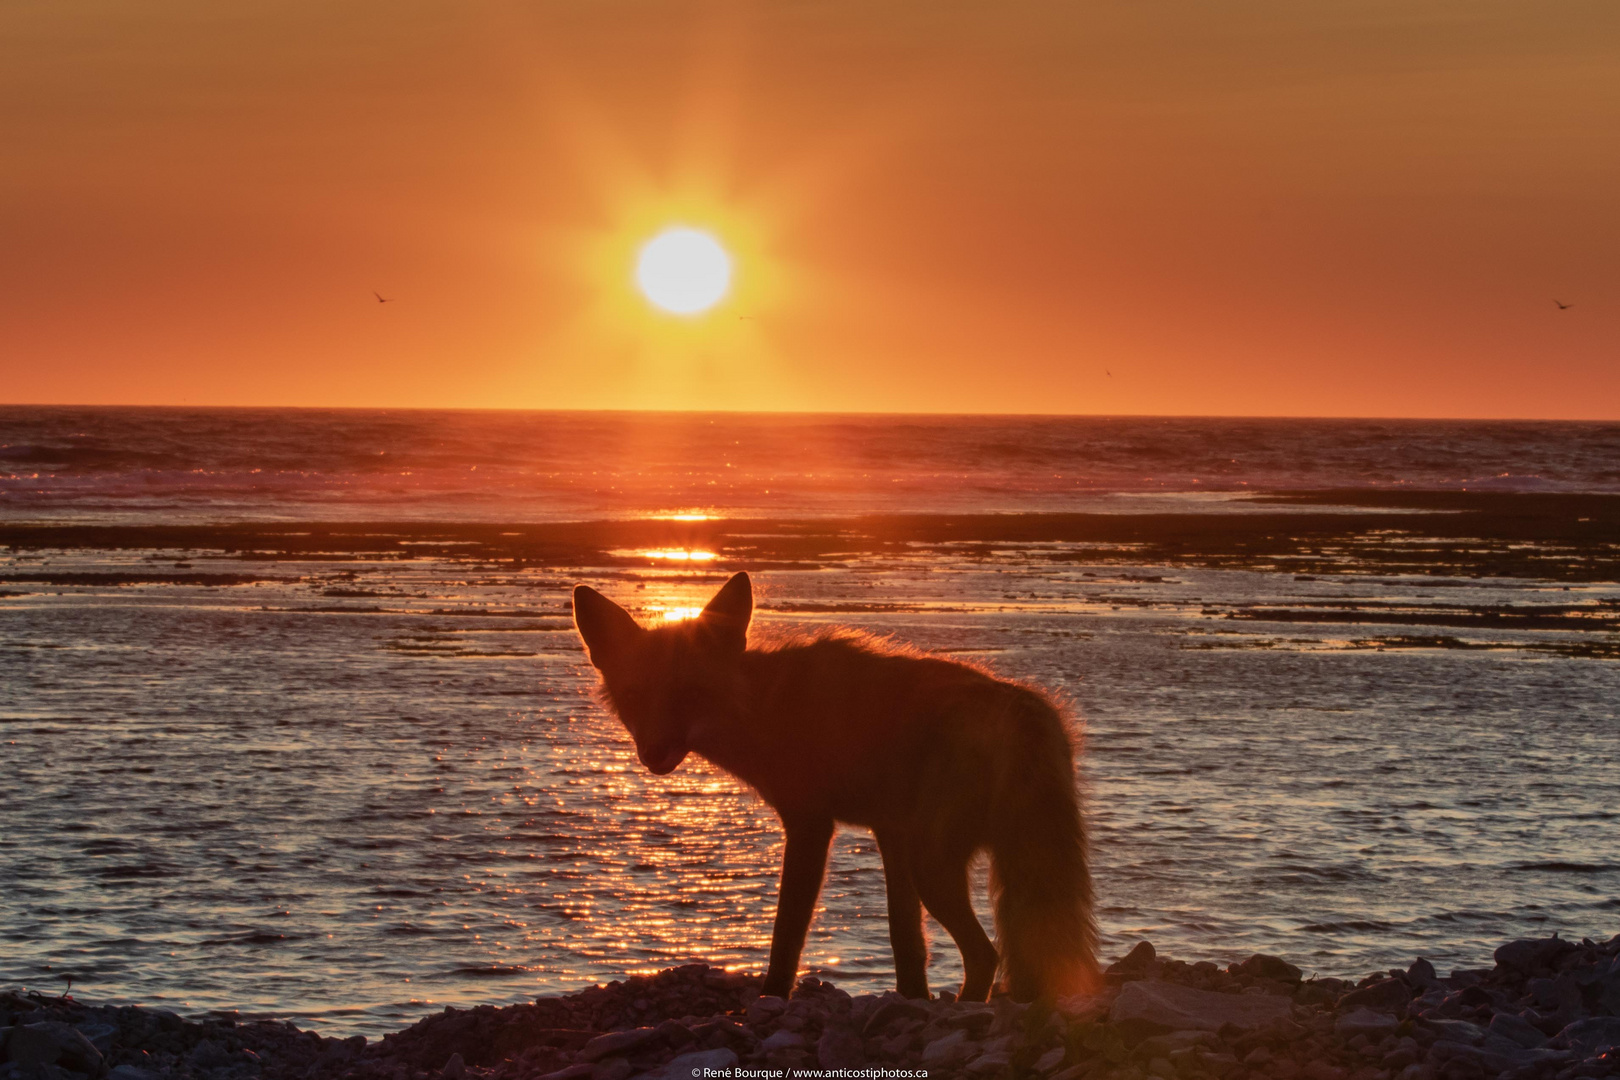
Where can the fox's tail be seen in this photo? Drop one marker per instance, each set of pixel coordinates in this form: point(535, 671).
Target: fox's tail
point(1039, 880)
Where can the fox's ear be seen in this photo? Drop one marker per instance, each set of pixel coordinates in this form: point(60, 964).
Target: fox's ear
point(728, 613)
point(606, 627)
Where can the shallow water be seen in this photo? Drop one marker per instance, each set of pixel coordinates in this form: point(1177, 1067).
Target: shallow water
point(370, 790)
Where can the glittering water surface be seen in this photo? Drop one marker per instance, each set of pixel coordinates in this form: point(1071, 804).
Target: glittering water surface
point(355, 809)
point(368, 788)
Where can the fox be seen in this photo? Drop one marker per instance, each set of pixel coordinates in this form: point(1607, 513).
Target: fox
point(939, 759)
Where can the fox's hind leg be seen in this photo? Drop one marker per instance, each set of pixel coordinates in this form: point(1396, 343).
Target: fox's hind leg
point(942, 883)
point(905, 918)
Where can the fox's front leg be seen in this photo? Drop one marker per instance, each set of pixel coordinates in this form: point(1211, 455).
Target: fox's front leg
point(803, 867)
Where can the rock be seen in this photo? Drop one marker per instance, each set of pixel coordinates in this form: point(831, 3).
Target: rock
point(1321, 1070)
point(1530, 953)
point(894, 1049)
point(1182, 1007)
point(976, 1019)
point(783, 1040)
point(945, 1049)
point(728, 1029)
point(1457, 1031)
point(1590, 1036)
point(1141, 954)
point(700, 1064)
point(130, 1072)
point(762, 1009)
point(1261, 966)
point(573, 1072)
point(897, 1008)
point(1495, 1056)
point(1050, 1060)
point(840, 1048)
point(1010, 1015)
point(1405, 1052)
point(208, 1054)
point(1422, 974)
point(616, 1043)
point(51, 1042)
point(100, 1035)
point(612, 1069)
point(990, 1063)
point(167, 1019)
point(1518, 1029)
point(1385, 996)
point(674, 1033)
point(725, 980)
point(1374, 1025)
point(1556, 994)
point(1083, 1006)
point(454, 1069)
point(1444, 1050)
point(1499, 1054)
point(1167, 1045)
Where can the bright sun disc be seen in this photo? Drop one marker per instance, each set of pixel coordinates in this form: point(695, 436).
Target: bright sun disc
point(683, 271)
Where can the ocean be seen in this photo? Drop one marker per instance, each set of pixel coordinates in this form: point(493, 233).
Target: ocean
point(295, 723)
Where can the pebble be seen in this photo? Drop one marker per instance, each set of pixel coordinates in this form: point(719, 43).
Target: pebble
point(1364, 1022)
point(52, 1042)
point(1170, 1005)
point(700, 1064)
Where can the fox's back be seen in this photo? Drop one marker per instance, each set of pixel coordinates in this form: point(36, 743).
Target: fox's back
point(847, 727)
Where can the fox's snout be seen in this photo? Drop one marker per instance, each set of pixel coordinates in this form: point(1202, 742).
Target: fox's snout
point(662, 760)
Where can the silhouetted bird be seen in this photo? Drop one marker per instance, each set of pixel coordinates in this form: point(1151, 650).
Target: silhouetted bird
point(1563, 306)
point(381, 299)
point(1108, 373)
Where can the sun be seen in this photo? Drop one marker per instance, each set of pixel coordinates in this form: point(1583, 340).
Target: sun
point(684, 271)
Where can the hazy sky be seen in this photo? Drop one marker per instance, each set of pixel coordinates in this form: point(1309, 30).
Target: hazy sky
point(1132, 206)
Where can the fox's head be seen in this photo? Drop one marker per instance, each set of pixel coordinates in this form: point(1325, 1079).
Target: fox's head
point(671, 683)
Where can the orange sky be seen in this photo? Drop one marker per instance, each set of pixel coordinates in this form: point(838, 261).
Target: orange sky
point(1319, 208)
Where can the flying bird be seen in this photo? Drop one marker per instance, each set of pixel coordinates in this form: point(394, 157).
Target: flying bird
point(381, 299)
point(1108, 373)
point(1563, 306)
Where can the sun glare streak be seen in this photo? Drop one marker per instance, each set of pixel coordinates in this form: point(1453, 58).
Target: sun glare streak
point(677, 555)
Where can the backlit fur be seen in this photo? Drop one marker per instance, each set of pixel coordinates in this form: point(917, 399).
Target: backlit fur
point(940, 759)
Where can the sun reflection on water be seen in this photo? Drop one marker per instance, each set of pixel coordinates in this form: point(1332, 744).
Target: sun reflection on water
point(674, 614)
point(675, 555)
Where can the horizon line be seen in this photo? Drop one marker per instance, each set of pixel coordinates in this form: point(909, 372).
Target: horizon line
point(873, 413)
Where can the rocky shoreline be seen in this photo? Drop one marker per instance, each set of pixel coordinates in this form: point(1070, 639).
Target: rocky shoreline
point(1548, 1010)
